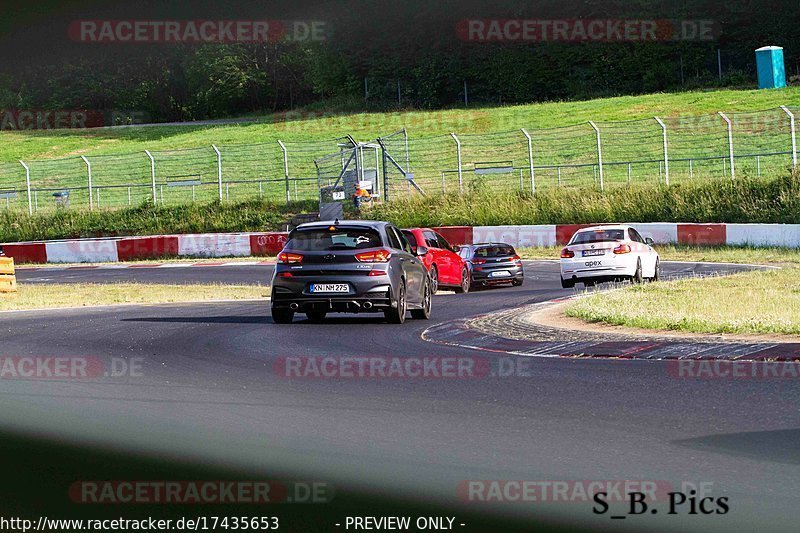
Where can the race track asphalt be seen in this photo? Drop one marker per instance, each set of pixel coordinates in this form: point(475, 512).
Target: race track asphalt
point(208, 393)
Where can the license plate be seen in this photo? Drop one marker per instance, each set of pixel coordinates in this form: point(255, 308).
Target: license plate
point(589, 253)
point(500, 274)
point(330, 287)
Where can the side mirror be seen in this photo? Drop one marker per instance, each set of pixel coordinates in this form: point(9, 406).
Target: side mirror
point(421, 251)
point(648, 240)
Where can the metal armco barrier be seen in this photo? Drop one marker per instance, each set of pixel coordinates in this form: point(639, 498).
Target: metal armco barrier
point(8, 279)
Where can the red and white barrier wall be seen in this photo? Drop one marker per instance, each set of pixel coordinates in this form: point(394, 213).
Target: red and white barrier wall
point(782, 235)
point(269, 244)
point(140, 248)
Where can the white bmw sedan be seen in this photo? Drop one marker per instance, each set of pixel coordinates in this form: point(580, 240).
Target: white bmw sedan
point(608, 253)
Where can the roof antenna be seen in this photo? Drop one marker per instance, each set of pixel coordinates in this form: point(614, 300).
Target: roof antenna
point(336, 222)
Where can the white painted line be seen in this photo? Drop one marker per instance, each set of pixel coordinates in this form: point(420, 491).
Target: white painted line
point(242, 263)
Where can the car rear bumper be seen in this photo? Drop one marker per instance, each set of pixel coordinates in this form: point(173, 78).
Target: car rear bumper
point(366, 295)
point(610, 269)
point(484, 276)
point(335, 304)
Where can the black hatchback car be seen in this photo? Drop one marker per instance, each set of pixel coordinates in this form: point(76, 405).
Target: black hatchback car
point(493, 264)
point(351, 267)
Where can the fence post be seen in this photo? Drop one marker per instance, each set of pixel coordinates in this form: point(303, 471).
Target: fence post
point(730, 142)
point(458, 153)
point(666, 156)
point(153, 175)
point(408, 159)
point(599, 154)
point(89, 173)
point(794, 138)
point(28, 183)
point(219, 169)
point(385, 171)
point(286, 170)
point(530, 159)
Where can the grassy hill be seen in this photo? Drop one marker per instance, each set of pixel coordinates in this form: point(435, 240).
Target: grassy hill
point(563, 147)
point(297, 126)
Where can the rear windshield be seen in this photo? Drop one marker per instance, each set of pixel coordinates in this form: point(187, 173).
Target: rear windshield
point(323, 240)
point(599, 235)
point(412, 240)
point(495, 251)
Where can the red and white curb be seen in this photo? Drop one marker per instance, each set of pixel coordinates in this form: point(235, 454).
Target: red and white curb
point(458, 334)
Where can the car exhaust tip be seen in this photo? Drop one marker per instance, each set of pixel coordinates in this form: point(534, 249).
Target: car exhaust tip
point(367, 305)
point(294, 306)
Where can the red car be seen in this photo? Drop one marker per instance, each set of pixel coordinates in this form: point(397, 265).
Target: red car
point(445, 266)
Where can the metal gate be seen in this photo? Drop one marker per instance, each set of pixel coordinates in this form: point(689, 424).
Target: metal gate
point(356, 166)
point(398, 178)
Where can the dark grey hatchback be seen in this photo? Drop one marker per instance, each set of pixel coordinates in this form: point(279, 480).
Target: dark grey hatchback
point(353, 266)
point(493, 264)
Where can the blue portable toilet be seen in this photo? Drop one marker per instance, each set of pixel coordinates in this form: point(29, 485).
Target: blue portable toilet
point(771, 71)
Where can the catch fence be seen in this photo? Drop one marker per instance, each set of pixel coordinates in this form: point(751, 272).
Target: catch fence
point(596, 154)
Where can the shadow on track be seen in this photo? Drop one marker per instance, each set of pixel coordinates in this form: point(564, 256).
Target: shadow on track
point(204, 319)
point(301, 320)
point(778, 446)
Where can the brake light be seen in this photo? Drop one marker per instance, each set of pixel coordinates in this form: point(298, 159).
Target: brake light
point(622, 249)
point(285, 275)
point(478, 261)
point(566, 253)
point(377, 273)
point(286, 258)
point(515, 258)
point(376, 256)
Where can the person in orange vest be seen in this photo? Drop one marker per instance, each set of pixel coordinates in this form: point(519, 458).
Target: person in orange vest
point(359, 196)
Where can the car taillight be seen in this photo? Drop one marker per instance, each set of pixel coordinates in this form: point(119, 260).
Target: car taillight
point(622, 249)
point(566, 253)
point(377, 272)
point(478, 261)
point(286, 258)
point(376, 256)
point(515, 258)
point(285, 275)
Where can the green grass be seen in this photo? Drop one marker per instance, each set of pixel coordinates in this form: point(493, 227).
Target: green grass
point(253, 215)
point(253, 163)
point(711, 305)
point(47, 296)
point(60, 143)
point(702, 254)
point(752, 200)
